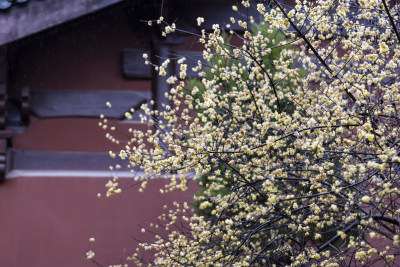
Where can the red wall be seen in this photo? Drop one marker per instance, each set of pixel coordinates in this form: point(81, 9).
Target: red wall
point(47, 221)
point(84, 55)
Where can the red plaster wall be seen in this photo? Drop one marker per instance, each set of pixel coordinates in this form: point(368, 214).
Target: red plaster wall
point(71, 134)
point(48, 221)
point(80, 56)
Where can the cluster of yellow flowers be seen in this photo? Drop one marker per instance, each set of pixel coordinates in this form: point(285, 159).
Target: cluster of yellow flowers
point(307, 146)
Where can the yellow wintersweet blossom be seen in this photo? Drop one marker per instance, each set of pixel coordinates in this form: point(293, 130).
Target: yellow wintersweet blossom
point(292, 136)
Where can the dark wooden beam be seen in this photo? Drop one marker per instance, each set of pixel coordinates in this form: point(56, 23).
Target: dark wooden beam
point(64, 160)
point(159, 83)
point(5, 134)
point(47, 104)
point(133, 64)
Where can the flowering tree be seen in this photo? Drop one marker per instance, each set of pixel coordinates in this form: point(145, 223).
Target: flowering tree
point(308, 163)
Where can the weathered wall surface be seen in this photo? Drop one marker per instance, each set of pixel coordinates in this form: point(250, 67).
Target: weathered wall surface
point(48, 221)
point(47, 215)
